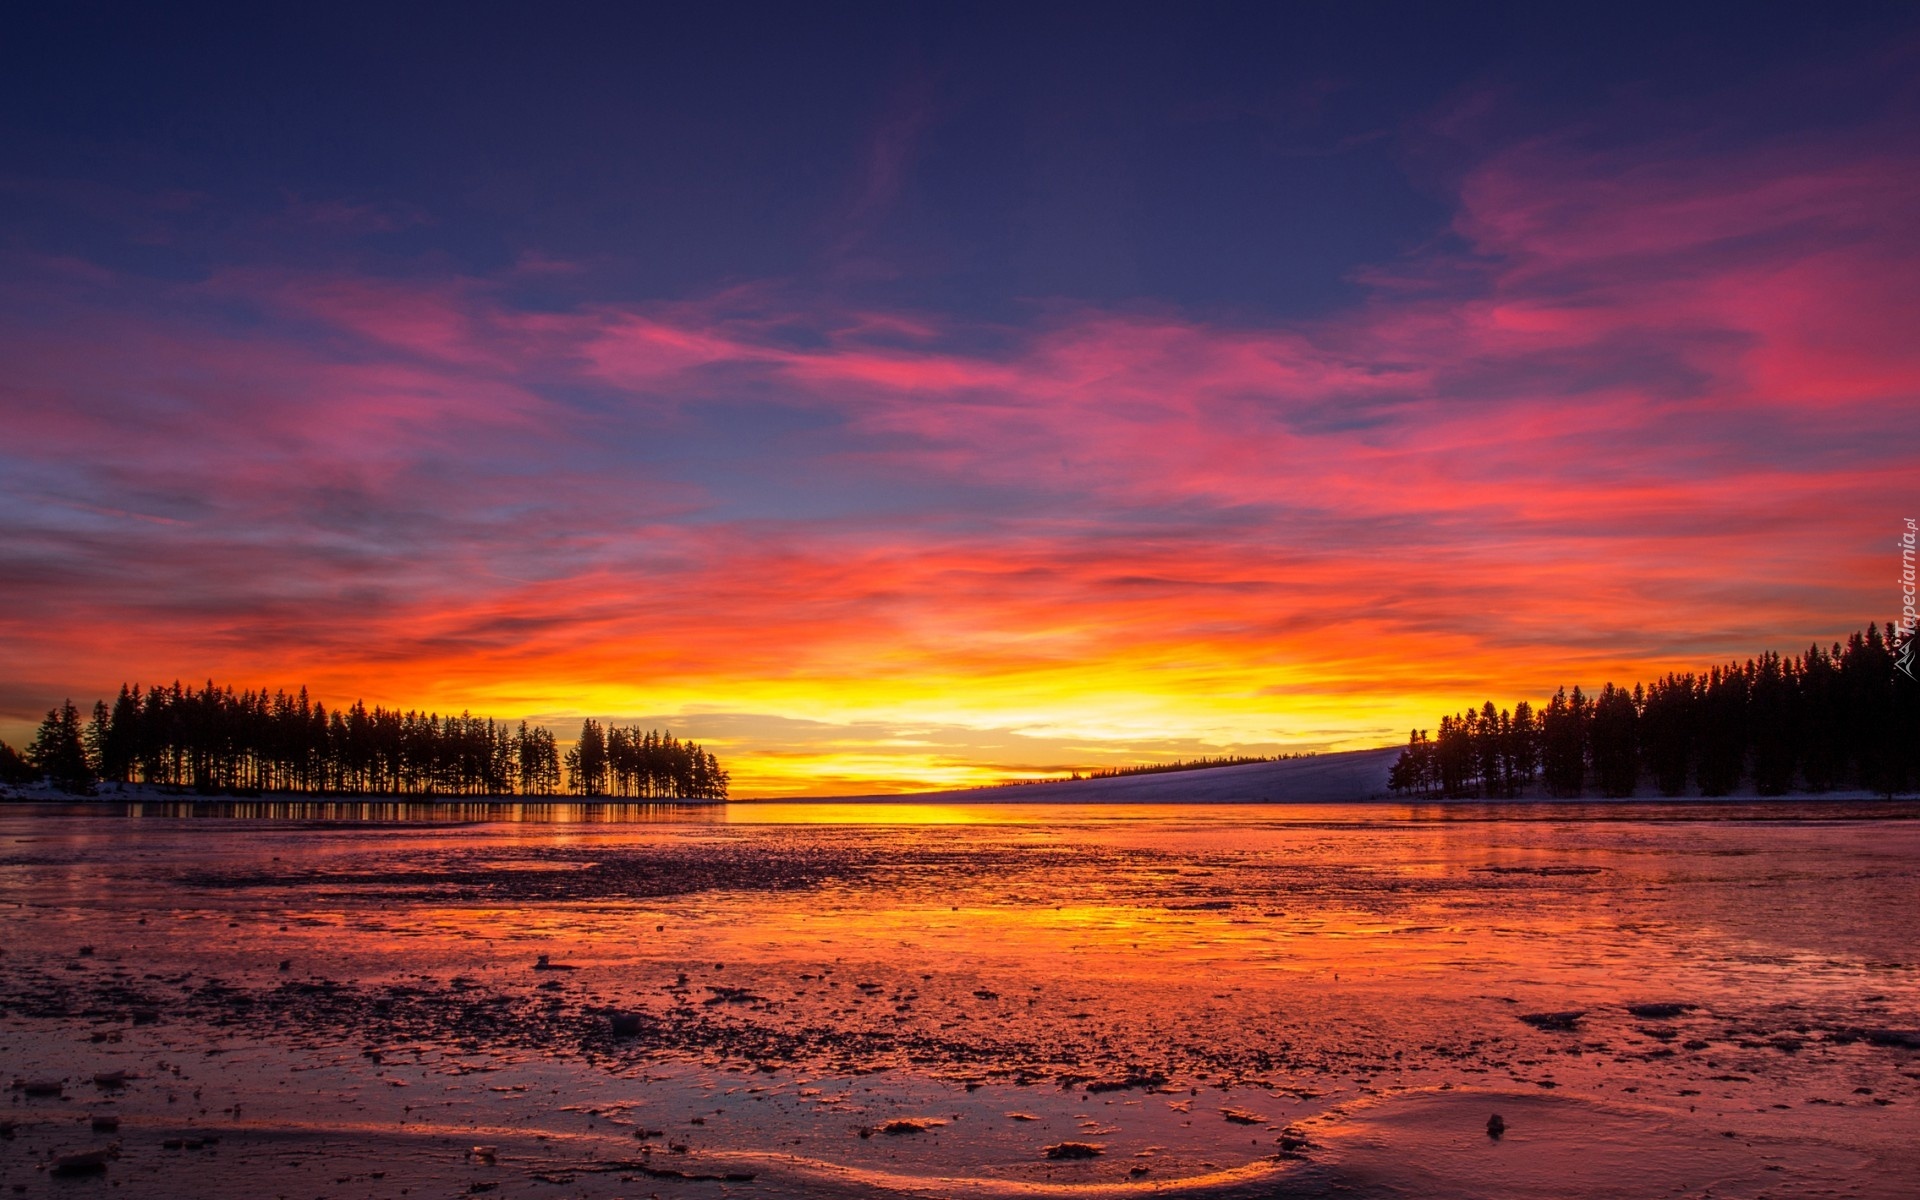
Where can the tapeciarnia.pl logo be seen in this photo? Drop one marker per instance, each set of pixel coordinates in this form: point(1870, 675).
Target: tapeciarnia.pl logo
point(1908, 618)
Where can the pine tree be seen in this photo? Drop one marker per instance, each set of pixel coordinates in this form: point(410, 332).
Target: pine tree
point(98, 739)
point(14, 769)
point(1667, 722)
point(1613, 738)
point(59, 750)
point(1821, 754)
point(1489, 751)
point(1838, 717)
point(1413, 770)
point(587, 761)
point(1523, 749)
point(1868, 672)
point(1723, 730)
point(1774, 725)
point(1453, 751)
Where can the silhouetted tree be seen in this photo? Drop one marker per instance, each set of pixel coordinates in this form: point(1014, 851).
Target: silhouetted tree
point(1773, 723)
point(587, 761)
point(13, 768)
point(1869, 682)
point(217, 739)
point(1822, 747)
point(1489, 749)
point(1523, 750)
point(59, 750)
point(1454, 752)
point(539, 761)
point(1613, 741)
point(1414, 770)
point(1563, 743)
point(1666, 732)
point(1722, 730)
point(1835, 717)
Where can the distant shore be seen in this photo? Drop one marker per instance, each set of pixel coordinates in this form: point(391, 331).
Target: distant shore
point(1345, 777)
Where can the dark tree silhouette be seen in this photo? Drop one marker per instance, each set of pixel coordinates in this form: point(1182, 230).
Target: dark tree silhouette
point(587, 761)
point(538, 758)
point(644, 764)
point(15, 769)
point(1183, 764)
point(1523, 748)
point(1774, 725)
point(1453, 750)
point(1414, 770)
point(59, 750)
point(1613, 741)
point(1563, 743)
point(1723, 730)
point(215, 739)
point(1822, 747)
point(1489, 737)
point(1667, 721)
point(1829, 718)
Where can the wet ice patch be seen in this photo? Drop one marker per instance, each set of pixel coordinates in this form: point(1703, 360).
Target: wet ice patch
point(1442, 1146)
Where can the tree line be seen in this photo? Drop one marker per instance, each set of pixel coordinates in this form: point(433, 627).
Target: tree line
point(644, 765)
point(216, 740)
point(1836, 717)
point(1189, 764)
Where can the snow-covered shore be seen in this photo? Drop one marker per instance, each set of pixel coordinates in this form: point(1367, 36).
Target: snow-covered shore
point(1350, 776)
point(1321, 779)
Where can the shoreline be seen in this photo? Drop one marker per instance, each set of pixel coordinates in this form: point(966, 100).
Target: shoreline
point(1342, 777)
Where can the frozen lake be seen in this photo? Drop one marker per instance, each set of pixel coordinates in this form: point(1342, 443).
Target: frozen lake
point(346, 1000)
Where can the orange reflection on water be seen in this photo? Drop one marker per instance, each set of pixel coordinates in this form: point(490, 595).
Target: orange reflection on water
point(1291, 953)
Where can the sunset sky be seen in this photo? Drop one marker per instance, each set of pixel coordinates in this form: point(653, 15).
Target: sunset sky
point(903, 396)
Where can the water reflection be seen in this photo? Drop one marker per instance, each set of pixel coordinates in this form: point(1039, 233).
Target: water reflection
point(423, 812)
point(909, 812)
point(791, 974)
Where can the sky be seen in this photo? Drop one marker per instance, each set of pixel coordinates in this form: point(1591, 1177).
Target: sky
point(900, 396)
